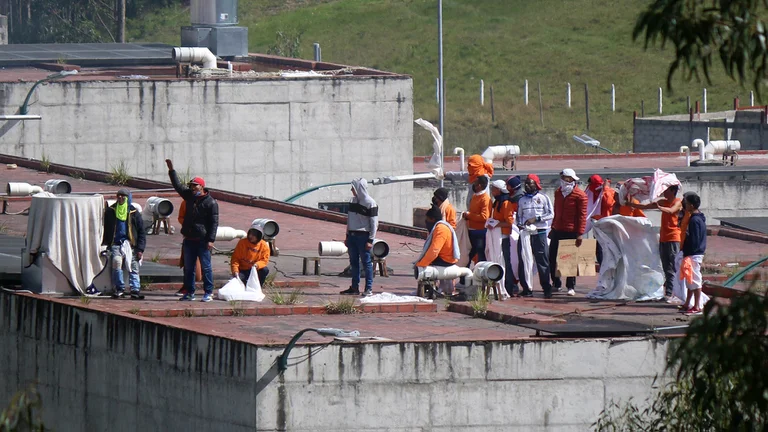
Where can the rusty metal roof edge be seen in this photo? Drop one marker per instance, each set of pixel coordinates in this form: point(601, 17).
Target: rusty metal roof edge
point(226, 196)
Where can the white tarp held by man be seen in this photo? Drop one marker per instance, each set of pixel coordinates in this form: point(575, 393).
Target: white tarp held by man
point(631, 267)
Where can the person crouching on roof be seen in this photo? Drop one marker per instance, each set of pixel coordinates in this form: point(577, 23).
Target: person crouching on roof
point(251, 253)
point(362, 224)
point(441, 248)
point(440, 199)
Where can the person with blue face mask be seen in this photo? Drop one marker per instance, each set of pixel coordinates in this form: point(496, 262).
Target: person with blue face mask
point(199, 230)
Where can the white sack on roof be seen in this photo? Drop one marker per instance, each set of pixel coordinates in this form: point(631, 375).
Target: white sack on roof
point(69, 229)
point(386, 297)
point(631, 267)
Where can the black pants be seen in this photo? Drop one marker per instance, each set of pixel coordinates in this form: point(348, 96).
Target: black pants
point(541, 255)
point(477, 241)
point(599, 253)
point(245, 274)
point(667, 253)
point(438, 262)
point(555, 237)
point(509, 276)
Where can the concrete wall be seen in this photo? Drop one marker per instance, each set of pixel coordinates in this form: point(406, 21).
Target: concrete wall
point(664, 135)
point(719, 198)
point(266, 137)
point(119, 373)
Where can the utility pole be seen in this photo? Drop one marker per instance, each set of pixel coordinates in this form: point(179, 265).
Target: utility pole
point(121, 21)
point(442, 82)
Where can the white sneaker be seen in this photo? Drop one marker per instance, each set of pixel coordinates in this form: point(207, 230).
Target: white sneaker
point(571, 292)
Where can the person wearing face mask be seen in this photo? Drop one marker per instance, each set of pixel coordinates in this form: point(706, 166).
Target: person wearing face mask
point(440, 199)
point(534, 209)
point(362, 225)
point(569, 223)
point(441, 248)
point(503, 212)
point(600, 202)
point(199, 230)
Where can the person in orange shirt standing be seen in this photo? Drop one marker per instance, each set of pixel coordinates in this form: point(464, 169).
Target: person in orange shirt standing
point(477, 216)
point(669, 233)
point(251, 253)
point(600, 201)
point(503, 211)
point(440, 199)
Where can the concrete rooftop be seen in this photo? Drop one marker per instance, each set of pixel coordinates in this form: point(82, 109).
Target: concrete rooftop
point(438, 321)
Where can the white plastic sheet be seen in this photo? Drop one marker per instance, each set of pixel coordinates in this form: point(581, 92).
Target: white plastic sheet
point(462, 234)
point(631, 267)
point(236, 290)
point(493, 250)
point(392, 298)
point(526, 254)
point(647, 189)
point(514, 259)
point(435, 162)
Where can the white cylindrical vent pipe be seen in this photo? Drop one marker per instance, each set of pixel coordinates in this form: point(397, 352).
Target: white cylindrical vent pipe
point(22, 189)
point(698, 143)
point(159, 207)
point(331, 248)
point(723, 146)
point(268, 227)
point(460, 151)
point(687, 151)
point(441, 273)
point(500, 151)
point(488, 271)
point(380, 249)
point(58, 187)
point(195, 55)
point(229, 233)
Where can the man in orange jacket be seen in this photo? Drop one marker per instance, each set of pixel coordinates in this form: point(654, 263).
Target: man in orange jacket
point(570, 223)
point(441, 248)
point(440, 199)
point(477, 215)
point(251, 253)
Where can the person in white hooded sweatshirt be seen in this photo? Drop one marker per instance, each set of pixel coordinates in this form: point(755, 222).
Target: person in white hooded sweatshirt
point(362, 224)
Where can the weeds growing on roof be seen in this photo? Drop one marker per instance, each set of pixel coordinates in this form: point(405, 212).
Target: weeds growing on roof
point(119, 175)
point(342, 307)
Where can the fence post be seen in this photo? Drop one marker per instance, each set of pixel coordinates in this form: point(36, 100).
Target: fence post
point(704, 100)
point(586, 104)
point(736, 103)
point(526, 92)
point(318, 53)
point(493, 113)
point(613, 98)
point(541, 107)
point(688, 103)
point(568, 95)
point(660, 100)
point(482, 93)
point(751, 98)
point(642, 108)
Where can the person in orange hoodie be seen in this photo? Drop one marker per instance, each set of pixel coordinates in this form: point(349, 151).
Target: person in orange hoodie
point(477, 167)
point(600, 202)
point(477, 216)
point(441, 248)
point(503, 211)
point(440, 199)
point(630, 209)
point(251, 253)
point(570, 223)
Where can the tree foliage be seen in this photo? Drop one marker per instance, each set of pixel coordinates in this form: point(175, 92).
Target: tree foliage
point(62, 21)
point(23, 413)
point(702, 30)
point(720, 380)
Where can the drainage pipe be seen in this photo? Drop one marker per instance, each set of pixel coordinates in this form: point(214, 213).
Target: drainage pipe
point(20, 117)
point(460, 151)
point(195, 55)
point(687, 151)
point(488, 271)
point(698, 143)
point(268, 227)
point(500, 151)
point(58, 187)
point(431, 273)
point(229, 233)
point(331, 248)
point(22, 189)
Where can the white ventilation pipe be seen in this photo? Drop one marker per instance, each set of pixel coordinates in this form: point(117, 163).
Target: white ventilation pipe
point(687, 151)
point(22, 189)
point(159, 208)
point(487, 271)
point(441, 273)
point(268, 227)
point(698, 143)
point(723, 146)
point(401, 178)
point(136, 206)
point(229, 233)
point(460, 151)
point(195, 55)
point(331, 248)
point(57, 187)
point(380, 249)
point(500, 151)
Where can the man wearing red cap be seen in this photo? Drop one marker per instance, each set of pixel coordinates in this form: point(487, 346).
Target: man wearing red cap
point(534, 211)
point(570, 222)
point(199, 230)
point(600, 201)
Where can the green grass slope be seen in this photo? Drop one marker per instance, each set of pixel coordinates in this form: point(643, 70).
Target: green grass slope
point(503, 42)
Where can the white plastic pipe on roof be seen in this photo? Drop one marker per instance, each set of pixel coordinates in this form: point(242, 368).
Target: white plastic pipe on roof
point(195, 55)
point(500, 151)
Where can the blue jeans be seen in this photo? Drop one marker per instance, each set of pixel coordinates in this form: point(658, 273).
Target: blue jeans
point(245, 274)
point(356, 249)
point(116, 259)
point(194, 250)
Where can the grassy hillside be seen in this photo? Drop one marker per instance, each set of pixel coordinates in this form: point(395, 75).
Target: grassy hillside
point(503, 42)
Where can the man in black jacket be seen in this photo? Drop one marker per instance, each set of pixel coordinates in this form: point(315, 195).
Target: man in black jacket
point(199, 230)
point(125, 239)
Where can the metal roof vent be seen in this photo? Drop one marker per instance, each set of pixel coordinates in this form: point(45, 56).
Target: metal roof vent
point(214, 26)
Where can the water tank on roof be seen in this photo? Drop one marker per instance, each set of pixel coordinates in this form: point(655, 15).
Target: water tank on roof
point(214, 12)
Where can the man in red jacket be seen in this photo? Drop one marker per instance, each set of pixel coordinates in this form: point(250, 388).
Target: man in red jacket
point(570, 223)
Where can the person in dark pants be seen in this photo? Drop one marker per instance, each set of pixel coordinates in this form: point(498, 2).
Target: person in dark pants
point(199, 230)
point(251, 253)
point(534, 209)
point(362, 224)
point(476, 217)
point(503, 211)
point(569, 223)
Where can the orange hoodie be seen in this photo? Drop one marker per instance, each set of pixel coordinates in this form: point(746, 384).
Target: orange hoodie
point(477, 166)
point(631, 211)
point(506, 214)
point(479, 211)
point(247, 255)
point(440, 247)
point(449, 214)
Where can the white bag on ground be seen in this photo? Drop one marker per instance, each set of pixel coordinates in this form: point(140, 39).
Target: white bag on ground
point(493, 252)
point(236, 290)
point(631, 267)
point(462, 234)
point(514, 259)
point(680, 287)
point(529, 263)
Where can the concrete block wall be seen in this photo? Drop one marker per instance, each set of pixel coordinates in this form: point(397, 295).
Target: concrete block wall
point(654, 135)
point(267, 137)
point(117, 372)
